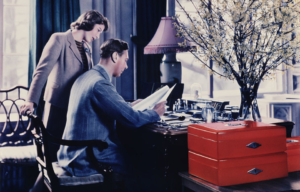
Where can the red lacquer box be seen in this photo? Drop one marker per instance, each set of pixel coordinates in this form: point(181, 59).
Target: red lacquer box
point(231, 153)
point(293, 153)
point(236, 139)
point(238, 170)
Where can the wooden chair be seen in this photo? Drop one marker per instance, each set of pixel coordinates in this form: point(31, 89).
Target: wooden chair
point(18, 166)
point(55, 177)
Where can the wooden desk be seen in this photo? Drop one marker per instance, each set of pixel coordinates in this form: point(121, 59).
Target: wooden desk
point(158, 154)
point(292, 182)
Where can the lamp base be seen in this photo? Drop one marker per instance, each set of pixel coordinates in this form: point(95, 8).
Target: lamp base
point(170, 69)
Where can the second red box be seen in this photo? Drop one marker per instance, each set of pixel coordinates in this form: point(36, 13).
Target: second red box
point(293, 153)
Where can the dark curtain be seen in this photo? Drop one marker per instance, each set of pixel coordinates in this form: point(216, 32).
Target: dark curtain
point(46, 18)
point(120, 15)
point(149, 13)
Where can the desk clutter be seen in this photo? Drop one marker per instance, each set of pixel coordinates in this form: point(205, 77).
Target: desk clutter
point(231, 153)
point(186, 112)
point(224, 150)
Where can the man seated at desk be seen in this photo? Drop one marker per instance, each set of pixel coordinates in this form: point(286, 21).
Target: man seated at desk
point(94, 107)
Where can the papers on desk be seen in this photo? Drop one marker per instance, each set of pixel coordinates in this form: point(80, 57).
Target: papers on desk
point(157, 97)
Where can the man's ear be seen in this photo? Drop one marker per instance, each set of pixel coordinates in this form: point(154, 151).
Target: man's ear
point(115, 57)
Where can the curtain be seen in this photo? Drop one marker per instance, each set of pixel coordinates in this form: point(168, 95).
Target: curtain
point(149, 13)
point(46, 18)
point(120, 15)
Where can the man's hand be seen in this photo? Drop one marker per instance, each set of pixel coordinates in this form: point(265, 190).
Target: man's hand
point(135, 102)
point(160, 108)
point(28, 106)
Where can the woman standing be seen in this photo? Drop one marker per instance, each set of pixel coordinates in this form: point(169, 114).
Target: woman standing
point(65, 56)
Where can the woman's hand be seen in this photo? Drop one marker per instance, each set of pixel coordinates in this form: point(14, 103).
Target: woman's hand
point(27, 106)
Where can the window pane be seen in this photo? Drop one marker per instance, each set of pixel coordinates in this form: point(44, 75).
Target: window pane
point(224, 84)
point(15, 70)
point(193, 72)
point(15, 2)
point(16, 29)
point(272, 85)
point(188, 6)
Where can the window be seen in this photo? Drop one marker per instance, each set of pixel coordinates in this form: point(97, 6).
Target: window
point(14, 43)
point(194, 72)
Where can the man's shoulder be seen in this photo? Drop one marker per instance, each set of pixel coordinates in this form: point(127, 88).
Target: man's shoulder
point(87, 82)
point(92, 77)
point(97, 79)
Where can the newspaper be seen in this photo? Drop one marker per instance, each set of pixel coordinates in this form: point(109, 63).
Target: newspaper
point(156, 97)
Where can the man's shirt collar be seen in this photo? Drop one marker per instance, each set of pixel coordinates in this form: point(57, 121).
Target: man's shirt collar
point(110, 77)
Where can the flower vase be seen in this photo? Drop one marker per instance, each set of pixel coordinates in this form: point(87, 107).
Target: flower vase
point(249, 108)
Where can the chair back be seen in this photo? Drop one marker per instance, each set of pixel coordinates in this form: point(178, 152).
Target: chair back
point(14, 128)
point(18, 167)
point(42, 139)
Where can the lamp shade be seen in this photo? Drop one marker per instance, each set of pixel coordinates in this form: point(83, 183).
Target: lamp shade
point(165, 40)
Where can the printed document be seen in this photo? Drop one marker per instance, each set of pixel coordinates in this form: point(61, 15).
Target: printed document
point(156, 97)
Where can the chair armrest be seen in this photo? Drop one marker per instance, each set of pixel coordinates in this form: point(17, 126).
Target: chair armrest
point(37, 122)
point(93, 143)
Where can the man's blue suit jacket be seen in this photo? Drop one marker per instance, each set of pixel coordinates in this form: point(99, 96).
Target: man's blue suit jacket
point(94, 106)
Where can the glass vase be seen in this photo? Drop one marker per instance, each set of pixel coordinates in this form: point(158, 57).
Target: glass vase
point(249, 109)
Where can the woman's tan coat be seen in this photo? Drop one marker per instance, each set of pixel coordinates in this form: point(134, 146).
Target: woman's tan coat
point(61, 63)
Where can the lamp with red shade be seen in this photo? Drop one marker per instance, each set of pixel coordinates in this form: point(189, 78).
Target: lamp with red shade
point(166, 42)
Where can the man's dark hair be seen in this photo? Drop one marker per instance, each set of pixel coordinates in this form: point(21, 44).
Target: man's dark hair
point(87, 21)
point(113, 45)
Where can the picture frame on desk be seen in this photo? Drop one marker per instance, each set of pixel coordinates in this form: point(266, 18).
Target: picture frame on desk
point(280, 111)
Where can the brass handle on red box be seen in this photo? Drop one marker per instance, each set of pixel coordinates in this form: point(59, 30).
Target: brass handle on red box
point(254, 171)
point(253, 145)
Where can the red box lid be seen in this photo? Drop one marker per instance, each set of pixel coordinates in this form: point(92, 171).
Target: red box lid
point(236, 139)
point(232, 126)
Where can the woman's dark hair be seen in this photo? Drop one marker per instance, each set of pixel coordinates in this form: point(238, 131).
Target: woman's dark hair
point(87, 20)
point(113, 45)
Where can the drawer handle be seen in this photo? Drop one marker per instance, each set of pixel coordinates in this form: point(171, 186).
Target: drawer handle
point(254, 171)
point(253, 145)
